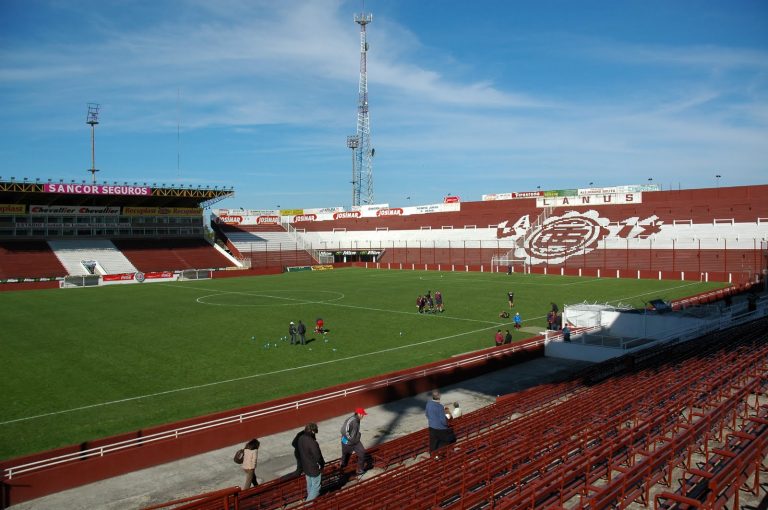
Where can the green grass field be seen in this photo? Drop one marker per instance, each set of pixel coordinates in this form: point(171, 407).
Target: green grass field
point(86, 363)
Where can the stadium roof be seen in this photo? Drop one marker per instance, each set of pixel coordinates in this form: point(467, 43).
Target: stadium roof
point(105, 194)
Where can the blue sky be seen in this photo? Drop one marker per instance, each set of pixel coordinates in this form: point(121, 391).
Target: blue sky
point(466, 98)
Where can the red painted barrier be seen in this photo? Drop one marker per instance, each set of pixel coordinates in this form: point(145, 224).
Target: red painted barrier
point(378, 390)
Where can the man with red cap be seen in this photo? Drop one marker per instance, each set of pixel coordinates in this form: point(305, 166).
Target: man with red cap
point(350, 441)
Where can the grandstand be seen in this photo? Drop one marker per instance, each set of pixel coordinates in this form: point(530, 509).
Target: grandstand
point(50, 231)
point(627, 231)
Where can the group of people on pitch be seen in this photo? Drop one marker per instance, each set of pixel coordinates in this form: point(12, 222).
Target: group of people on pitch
point(425, 303)
point(298, 332)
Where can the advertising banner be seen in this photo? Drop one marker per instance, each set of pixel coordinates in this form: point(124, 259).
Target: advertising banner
point(118, 277)
point(233, 219)
point(323, 210)
point(344, 215)
point(632, 188)
point(97, 189)
point(268, 220)
point(162, 211)
point(371, 207)
point(291, 212)
point(8, 209)
point(590, 200)
point(74, 210)
point(451, 199)
point(155, 275)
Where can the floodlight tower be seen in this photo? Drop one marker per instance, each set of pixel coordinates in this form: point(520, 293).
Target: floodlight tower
point(92, 119)
point(353, 142)
point(362, 185)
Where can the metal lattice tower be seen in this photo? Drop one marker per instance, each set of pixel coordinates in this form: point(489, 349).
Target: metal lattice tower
point(93, 119)
point(362, 163)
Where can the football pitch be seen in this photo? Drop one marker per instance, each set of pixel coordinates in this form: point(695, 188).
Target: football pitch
point(81, 364)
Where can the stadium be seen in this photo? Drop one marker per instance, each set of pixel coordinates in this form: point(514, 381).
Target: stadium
point(691, 261)
point(594, 346)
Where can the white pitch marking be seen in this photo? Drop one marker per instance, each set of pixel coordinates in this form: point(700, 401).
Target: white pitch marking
point(252, 376)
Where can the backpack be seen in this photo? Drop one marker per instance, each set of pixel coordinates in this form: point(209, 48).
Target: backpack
point(239, 456)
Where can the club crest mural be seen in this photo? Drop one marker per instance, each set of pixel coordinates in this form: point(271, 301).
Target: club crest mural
point(560, 237)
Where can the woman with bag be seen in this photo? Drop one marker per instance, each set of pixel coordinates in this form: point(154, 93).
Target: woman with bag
point(250, 457)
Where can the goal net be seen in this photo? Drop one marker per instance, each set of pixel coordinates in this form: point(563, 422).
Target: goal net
point(90, 280)
point(196, 274)
point(505, 264)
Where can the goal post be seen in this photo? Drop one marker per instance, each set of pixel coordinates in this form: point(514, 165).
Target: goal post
point(71, 282)
point(504, 264)
point(195, 274)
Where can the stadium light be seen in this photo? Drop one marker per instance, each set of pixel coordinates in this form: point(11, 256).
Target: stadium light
point(49, 180)
point(591, 183)
point(718, 179)
point(25, 179)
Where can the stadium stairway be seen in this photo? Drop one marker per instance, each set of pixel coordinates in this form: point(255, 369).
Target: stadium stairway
point(72, 252)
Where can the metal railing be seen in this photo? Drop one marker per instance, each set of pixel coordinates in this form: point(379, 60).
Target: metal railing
point(14, 471)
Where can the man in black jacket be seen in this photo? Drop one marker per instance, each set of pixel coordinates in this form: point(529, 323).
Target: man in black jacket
point(311, 460)
point(295, 444)
point(302, 330)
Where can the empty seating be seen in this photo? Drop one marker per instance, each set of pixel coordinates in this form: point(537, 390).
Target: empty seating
point(72, 252)
point(29, 259)
point(681, 425)
point(171, 254)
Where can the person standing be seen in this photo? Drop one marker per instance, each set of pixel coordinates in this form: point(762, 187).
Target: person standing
point(292, 332)
point(508, 337)
point(511, 299)
point(518, 321)
point(439, 301)
point(566, 333)
point(295, 444)
point(499, 339)
point(250, 459)
point(440, 434)
point(312, 462)
point(350, 440)
point(302, 331)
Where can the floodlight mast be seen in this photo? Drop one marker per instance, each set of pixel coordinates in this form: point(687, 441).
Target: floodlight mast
point(93, 119)
point(353, 142)
point(363, 184)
